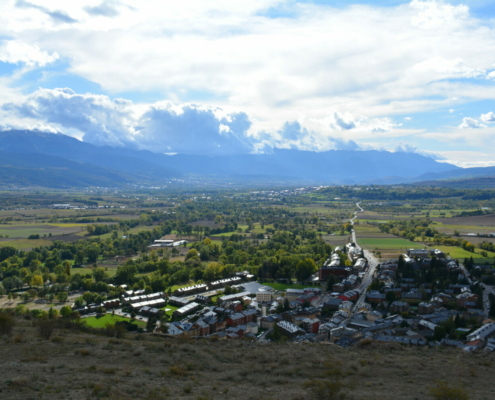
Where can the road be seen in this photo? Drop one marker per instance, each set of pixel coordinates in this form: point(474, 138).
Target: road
point(353, 234)
point(487, 289)
point(370, 272)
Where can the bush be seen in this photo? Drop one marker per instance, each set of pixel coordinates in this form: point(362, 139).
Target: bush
point(45, 328)
point(332, 389)
point(443, 391)
point(7, 323)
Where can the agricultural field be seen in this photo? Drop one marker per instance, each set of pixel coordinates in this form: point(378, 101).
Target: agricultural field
point(388, 243)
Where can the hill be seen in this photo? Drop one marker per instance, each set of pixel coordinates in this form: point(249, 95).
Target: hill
point(75, 365)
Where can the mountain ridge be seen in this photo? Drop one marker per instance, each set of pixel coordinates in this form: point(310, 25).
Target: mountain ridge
point(131, 165)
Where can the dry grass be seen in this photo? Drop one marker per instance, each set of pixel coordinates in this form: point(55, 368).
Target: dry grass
point(84, 366)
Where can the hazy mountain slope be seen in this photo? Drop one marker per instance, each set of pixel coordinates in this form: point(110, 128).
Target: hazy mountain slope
point(131, 161)
point(43, 170)
point(335, 166)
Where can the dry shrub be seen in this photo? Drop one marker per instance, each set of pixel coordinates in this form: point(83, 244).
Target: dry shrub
point(332, 389)
point(444, 391)
point(7, 323)
point(45, 328)
point(177, 370)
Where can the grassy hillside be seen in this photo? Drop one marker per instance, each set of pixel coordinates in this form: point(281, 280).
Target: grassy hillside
point(76, 365)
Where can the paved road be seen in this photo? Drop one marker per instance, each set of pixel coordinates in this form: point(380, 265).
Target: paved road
point(487, 289)
point(372, 261)
point(367, 280)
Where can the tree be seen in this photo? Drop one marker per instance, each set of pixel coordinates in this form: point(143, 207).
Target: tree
point(99, 274)
point(390, 296)
point(66, 311)
point(36, 280)
point(62, 297)
point(304, 269)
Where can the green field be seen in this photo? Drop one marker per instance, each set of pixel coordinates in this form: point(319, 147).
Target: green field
point(23, 244)
point(283, 286)
point(169, 309)
point(388, 243)
point(100, 322)
point(457, 252)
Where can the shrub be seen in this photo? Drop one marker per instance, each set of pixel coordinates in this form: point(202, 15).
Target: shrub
point(332, 389)
point(45, 328)
point(443, 391)
point(6, 324)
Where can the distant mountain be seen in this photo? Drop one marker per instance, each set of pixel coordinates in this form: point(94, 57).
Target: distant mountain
point(459, 173)
point(484, 182)
point(48, 171)
point(129, 165)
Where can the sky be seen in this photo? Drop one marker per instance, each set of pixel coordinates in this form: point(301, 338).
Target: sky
point(233, 77)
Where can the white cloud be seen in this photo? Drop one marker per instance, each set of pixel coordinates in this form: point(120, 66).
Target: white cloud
point(338, 71)
point(320, 59)
point(488, 117)
point(470, 123)
point(14, 52)
point(160, 127)
point(409, 148)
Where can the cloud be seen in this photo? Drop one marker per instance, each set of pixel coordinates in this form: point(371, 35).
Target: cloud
point(14, 52)
point(470, 123)
point(105, 9)
point(160, 127)
point(101, 120)
point(56, 15)
point(193, 129)
point(488, 117)
point(341, 122)
point(408, 148)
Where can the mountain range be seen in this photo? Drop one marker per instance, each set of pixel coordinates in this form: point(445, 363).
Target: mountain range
point(33, 158)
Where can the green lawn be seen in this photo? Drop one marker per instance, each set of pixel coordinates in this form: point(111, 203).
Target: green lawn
point(283, 286)
point(457, 252)
point(100, 322)
point(388, 243)
point(169, 309)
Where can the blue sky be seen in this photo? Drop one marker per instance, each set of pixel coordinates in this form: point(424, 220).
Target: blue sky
point(239, 77)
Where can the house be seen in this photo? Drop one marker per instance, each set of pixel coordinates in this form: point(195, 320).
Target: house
point(231, 297)
point(289, 329)
point(178, 301)
point(399, 307)
point(425, 308)
point(183, 311)
point(419, 253)
point(311, 325)
point(482, 333)
point(293, 294)
point(332, 304)
point(374, 315)
point(202, 299)
point(465, 297)
point(152, 312)
point(263, 296)
point(269, 321)
point(236, 319)
point(375, 297)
